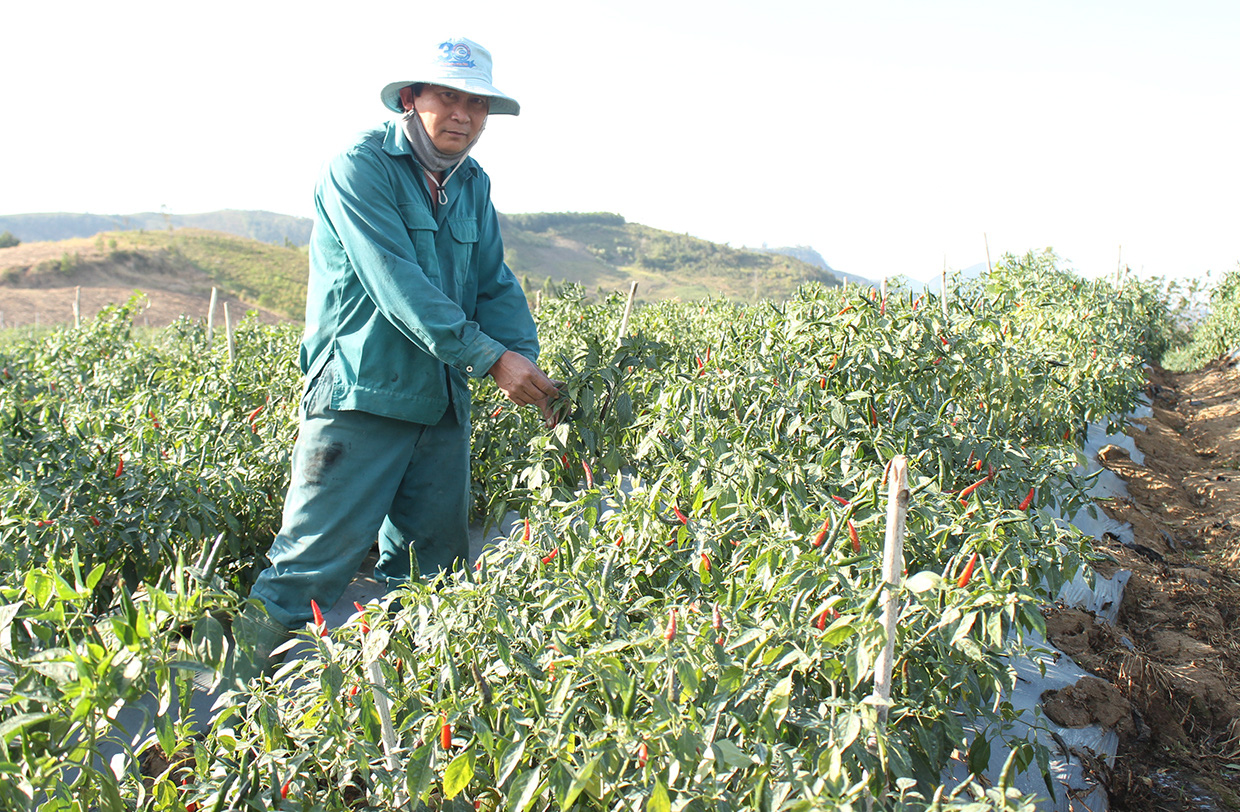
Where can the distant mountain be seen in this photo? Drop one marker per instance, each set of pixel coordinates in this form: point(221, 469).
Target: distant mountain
point(600, 251)
point(807, 254)
point(264, 226)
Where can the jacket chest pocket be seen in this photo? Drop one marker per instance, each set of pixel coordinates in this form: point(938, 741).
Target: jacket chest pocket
point(422, 230)
point(464, 238)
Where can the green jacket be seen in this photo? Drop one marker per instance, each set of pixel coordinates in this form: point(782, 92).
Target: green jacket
point(408, 301)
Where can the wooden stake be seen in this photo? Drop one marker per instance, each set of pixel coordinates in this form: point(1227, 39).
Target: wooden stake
point(228, 330)
point(943, 288)
point(893, 568)
point(77, 307)
point(211, 315)
point(628, 309)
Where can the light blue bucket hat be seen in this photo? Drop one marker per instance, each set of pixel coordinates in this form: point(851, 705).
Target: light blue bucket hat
point(460, 64)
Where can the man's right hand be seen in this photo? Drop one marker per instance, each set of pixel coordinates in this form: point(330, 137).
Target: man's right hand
point(524, 383)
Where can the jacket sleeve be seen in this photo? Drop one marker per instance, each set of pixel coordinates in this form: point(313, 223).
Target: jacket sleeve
point(358, 200)
point(502, 309)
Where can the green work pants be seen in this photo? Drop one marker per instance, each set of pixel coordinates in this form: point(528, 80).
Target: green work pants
point(358, 478)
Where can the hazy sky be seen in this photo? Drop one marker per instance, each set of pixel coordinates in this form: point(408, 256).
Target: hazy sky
point(890, 136)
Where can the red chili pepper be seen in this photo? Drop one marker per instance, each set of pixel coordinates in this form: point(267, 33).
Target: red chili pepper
point(679, 515)
point(963, 580)
point(620, 540)
point(873, 416)
point(852, 536)
point(284, 789)
point(944, 340)
point(845, 309)
point(319, 623)
point(445, 733)
point(1028, 500)
point(670, 634)
point(94, 521)
point(549, 557)
point(497, 411)
point(564, 460)
point(120, 468)
point(822, 534)
point(822, 384)
point(525, 535)
point(589, 474)
point(820, 622)
point(706, 562)
point(716, 618)
point(835, 359)
point(362, 609)
point(882, 306)
point(840, 499)
point(254, 415)
point(977, 466)
point(643, 754)
point(1067, 435)
point(967, 491)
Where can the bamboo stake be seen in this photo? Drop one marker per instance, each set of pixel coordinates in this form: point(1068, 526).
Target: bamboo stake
point(77, 307)
point(893, 567)
point(943, 288)
point(987, 242)
point(232, 343)
point(628, 309)
point(378, 687)
point(211, 315)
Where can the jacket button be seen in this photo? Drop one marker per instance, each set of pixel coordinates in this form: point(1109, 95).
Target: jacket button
point(469, 369)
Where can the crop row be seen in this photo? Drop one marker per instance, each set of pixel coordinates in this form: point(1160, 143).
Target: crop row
point(685, 617)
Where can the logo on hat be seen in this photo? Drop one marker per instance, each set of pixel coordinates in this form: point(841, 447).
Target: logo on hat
point(455, 55)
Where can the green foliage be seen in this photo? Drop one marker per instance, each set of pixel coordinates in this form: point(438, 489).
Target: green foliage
point(7, 240)
point(1219, 332)
point(688, 617)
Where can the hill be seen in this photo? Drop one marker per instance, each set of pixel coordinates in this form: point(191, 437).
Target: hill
point(264, 226)
point(811, 256)
point(600, 251)
point(176, 269)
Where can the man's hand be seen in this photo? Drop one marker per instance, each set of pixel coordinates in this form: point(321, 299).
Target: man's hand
point(524, 383)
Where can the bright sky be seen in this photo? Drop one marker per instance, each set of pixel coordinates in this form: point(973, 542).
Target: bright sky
point(889, 135)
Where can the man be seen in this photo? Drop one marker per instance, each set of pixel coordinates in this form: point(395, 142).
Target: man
point(408, 298)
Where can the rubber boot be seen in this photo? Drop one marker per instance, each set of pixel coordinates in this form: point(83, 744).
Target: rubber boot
point(255, 637)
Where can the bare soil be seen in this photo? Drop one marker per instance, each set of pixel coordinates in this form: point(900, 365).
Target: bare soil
point(34, 291)
point(1168, 673)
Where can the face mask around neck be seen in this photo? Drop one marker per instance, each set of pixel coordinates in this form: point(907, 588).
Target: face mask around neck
point(429, 155)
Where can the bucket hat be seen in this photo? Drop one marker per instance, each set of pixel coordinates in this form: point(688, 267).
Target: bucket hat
point(460, 64)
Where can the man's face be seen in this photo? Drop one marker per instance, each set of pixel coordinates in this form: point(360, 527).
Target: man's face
point(452, 119)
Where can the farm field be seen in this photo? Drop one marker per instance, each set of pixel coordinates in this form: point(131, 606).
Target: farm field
point(688, 615)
